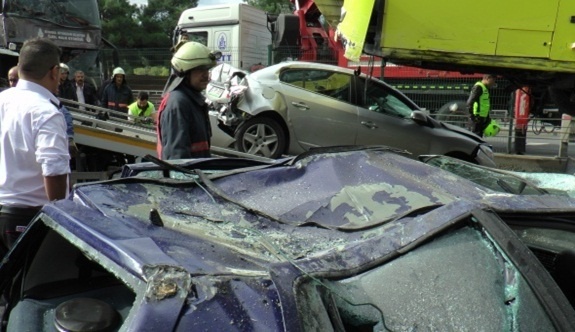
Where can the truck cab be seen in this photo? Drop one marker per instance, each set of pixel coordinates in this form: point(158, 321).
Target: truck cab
point(238, 30)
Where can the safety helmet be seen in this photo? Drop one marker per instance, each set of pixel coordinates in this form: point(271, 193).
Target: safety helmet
point(190, 55)
point(492, 129)
point(118, 71)
point(64, 68)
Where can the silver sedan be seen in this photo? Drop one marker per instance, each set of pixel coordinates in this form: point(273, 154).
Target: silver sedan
point(291, 107)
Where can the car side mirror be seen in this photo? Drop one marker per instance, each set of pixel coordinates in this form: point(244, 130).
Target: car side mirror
point(419, 117)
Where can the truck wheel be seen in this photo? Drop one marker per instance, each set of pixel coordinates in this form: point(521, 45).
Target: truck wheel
point(261, 136)
point(453, 112)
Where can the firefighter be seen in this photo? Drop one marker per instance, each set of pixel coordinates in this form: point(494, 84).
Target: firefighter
point(117, 95)
point(183, 126)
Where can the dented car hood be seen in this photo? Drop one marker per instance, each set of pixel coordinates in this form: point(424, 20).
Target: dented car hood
point(313, 211)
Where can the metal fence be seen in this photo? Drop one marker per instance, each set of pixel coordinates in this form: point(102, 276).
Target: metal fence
point(538, 137)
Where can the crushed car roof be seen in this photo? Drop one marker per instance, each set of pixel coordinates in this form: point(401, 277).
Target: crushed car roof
point(242, 221)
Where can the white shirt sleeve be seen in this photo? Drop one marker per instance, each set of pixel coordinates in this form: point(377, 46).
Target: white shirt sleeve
point(52, 144)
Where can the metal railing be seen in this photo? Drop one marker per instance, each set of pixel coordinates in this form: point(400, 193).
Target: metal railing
point(538, 132)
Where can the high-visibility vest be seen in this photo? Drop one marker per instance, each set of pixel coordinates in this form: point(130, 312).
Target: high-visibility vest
point(483, 106)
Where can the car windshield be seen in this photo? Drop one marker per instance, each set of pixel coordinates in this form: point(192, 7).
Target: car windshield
point(72, 13)
point(457, 282)
point(493, 179)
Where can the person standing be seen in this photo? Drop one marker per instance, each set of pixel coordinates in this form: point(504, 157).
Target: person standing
point(142, 110)
point(34, 159)
point(66, 88)
point(117, 95)
point(183, 126)
point(72, 148)
point(479, 104)
point(13, 76)
point(85, 92)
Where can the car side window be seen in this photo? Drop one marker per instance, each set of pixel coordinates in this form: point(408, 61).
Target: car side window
point(328, 83)
point(381, 99)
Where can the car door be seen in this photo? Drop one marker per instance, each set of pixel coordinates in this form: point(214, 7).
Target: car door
point(385, 118)
point(319, 110)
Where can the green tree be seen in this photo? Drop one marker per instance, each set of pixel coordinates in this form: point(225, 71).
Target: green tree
point(119, 25)
point(159, 18)
point(272, 6)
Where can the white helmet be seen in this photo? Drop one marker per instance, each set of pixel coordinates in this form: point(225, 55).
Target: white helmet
point(64, 68)
point(191, 55)
point(118, 71)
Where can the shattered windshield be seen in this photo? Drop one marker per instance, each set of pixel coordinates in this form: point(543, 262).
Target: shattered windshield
point(494, 180)
point(70, 13)
point(458, 282)
point(87, 61)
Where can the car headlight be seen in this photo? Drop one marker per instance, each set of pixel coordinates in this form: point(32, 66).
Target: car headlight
point(485, 155)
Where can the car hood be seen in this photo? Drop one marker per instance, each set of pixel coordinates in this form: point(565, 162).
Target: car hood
point(310, 211)
point(461, 131)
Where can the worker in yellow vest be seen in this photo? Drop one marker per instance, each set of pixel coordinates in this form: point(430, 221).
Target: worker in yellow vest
point(142, 110)
point(479, 104)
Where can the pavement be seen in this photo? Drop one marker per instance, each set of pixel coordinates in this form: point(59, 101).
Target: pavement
point(544, 152)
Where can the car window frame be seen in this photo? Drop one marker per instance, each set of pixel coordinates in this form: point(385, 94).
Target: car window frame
point(361, 86)
point(506, 243)
point(351, 84)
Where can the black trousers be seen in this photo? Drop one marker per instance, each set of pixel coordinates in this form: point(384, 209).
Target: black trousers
point(479, 124)
point(13, 221)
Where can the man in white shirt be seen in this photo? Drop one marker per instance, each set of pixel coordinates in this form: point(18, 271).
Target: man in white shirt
point(34, 159)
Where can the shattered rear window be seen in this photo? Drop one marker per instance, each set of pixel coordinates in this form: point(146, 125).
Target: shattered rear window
point(458, 282)
point(489, 178)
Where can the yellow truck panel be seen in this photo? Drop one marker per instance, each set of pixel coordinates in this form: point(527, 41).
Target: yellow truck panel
point(534, 35)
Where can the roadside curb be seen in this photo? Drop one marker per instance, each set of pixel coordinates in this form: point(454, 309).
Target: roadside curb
point(523, 163)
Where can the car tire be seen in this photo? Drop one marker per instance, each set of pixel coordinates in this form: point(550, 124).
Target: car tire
point(262, 136)
point(453, 112)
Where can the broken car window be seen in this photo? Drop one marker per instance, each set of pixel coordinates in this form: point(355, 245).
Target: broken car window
point(450, 284)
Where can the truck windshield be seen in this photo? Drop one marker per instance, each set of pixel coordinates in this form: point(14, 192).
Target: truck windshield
point(68, 13)
point(87, 62)
point(198, 36)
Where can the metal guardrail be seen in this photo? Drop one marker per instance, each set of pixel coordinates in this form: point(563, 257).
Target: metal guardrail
point(538, 131)
point(86, 116)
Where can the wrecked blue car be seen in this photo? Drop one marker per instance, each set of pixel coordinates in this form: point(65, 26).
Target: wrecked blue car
point(332, 240)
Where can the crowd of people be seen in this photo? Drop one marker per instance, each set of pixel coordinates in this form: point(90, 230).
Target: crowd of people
point(37, 130)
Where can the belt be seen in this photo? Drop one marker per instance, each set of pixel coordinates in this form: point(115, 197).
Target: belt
point(29, 210)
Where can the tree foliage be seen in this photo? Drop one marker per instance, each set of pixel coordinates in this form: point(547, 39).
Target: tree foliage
point(272, 6)
point(118, 22)
point(146, 26)
point(159, 18)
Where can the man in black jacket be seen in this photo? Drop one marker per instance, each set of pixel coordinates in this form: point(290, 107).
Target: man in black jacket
point(117, 95)
point(85, 92)
point(66, 87)
point(183, 126)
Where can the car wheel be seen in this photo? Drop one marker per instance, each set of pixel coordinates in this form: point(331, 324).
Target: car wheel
point(261, 136)
point(454, 112)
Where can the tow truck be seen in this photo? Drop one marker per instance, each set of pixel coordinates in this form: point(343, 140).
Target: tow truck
point(113, 135)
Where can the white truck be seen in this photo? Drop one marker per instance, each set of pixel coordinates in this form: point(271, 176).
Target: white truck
point(237, 30)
